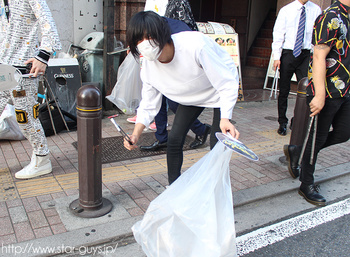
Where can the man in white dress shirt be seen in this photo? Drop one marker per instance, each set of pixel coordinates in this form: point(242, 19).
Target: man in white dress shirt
point(284, 40)
point(291, 52)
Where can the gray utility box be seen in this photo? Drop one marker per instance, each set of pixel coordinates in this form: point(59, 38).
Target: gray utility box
point(91, 57)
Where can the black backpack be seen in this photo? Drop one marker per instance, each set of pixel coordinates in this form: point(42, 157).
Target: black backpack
point(45, 120)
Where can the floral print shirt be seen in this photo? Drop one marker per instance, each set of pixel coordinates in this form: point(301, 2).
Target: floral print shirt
point(331, 28)
point(181, 10)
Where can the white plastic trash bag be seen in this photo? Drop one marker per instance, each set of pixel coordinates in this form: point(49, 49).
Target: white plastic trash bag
point(126, 94)
point(194, 216)
point(9, 129)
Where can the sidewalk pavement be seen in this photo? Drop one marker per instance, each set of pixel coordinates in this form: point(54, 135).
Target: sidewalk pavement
point(34, 213)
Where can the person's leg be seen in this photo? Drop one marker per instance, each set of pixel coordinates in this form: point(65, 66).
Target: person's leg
point(161, 120)
point(341, 124)
point(215, 127)
point(200, 129)
point(184, 117)
point(325, 119)
point(4, 98)
point(27, 112)
point(302, 65)
point(286, 73)
point(197, 127)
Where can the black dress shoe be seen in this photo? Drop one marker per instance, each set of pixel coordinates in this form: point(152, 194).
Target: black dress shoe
point(292, 152)
point(282, 130)
point(153, 147)
point(311, 194)
point(200, 140)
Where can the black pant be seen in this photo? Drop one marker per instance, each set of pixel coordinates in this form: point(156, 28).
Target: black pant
point(184, 117)
point(289, 66)
point(335, 113)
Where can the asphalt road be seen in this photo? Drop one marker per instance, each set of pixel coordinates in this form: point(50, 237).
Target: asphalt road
point(326, 240)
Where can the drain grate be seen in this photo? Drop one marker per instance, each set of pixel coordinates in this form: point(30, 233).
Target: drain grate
point(113, 149)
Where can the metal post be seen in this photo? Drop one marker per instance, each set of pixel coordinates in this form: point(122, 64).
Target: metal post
point(89, 112)
point(301, 115)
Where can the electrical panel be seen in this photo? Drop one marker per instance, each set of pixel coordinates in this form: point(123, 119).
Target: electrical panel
point(88, 17)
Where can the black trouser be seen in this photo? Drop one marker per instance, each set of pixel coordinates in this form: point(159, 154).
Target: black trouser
point(289, 66)
point(335, 113)
point(184, 117)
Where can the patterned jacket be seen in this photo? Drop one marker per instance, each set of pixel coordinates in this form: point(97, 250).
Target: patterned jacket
point(20, 25)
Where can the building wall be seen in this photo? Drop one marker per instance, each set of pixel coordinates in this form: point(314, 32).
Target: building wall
point(258, 13)
point(322, 3)
point(62, 12)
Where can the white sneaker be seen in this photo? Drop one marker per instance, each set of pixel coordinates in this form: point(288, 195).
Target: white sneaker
point(39, 165)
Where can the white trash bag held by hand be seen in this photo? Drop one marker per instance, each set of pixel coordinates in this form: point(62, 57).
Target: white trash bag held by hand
point(194, 216)
point(126, 94)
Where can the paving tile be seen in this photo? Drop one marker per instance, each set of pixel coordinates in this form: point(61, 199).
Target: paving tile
point(50, 212)
point(43, 232)
point(149, 194)
point(44, 198)
point(6, 226)
point(7, 240)
point(23, 231)
point(18, 214)
point(3, 210)
point(53, 220)
point(126, 201)
point(139, 184)
point(14, 203)
point(136, 212)
point(133, 192)
point(58, 229)
point(143, 203)
point(37, 219)
point(31, 204)
point(115, 188)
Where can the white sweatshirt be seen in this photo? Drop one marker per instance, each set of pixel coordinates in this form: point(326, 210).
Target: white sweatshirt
point(201, 74)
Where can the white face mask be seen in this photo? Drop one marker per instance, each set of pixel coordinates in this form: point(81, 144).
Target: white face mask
point(150, 51)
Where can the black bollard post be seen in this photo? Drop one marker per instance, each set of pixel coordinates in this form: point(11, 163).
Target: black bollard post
point(301, 115)
point(89, 112)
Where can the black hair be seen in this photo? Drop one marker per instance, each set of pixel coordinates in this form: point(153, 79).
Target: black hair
point(147, 25)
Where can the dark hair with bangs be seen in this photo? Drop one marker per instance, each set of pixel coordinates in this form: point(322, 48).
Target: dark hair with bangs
point(147, 25)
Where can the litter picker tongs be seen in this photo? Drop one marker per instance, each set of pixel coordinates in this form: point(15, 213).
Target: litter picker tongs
point(274, 83)
point(121, 131)
point(313, 120)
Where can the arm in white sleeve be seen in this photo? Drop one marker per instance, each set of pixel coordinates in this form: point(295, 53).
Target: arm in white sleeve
point(223, 75)
point(151, 101)
point(279, 31)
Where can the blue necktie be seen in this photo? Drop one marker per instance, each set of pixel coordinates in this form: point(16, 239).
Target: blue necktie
point(300, 34)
